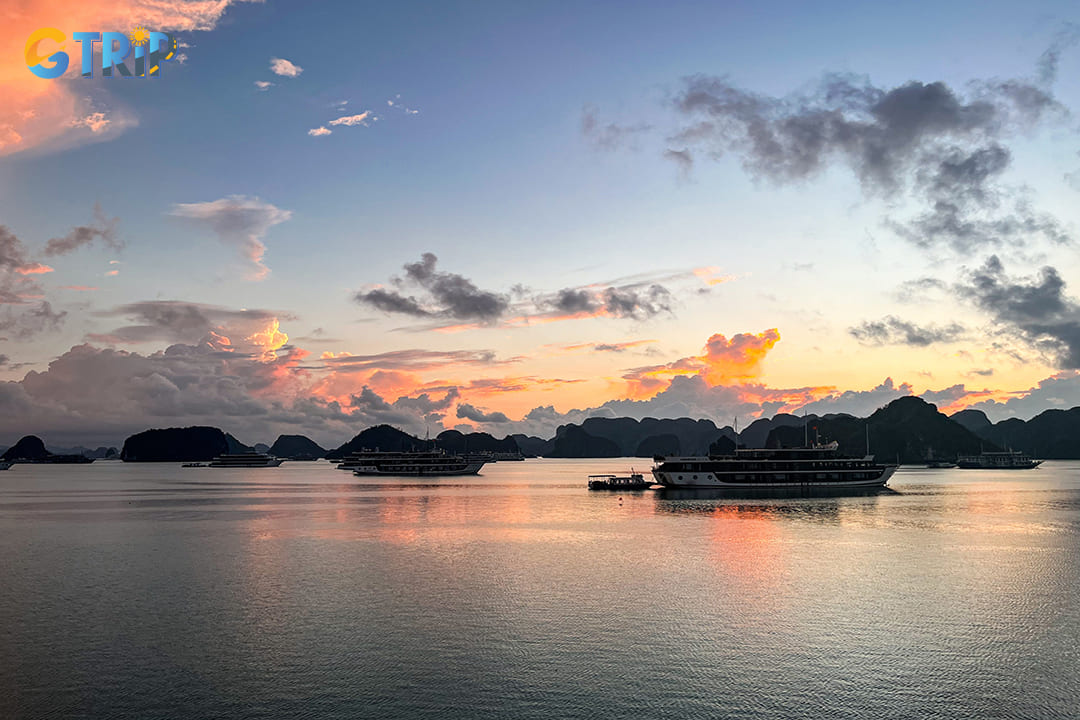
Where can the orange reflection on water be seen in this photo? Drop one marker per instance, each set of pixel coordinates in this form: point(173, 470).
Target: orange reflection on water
point(747, 542)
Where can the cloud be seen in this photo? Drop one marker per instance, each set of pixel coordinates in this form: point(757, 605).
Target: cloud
point(47, 116)
point(28, 323)
point(939, 145)
point(177, 321)
point(725, 359)
point(426, 404)
point(415, 359)
point(351, 120)
point(635, 301)
point(468, 412)
point(608, 136)
point(103, 229)
point(891, 330)
point(281, 66)
point(448, 295)
point(23, 315)
point(96, 122)
point(239, 221)
point(1036, 308)
point(1067, 37)
point(607, 347)
point(683, 160)
point(263, 85)
point(920, 289)
point(319, 131)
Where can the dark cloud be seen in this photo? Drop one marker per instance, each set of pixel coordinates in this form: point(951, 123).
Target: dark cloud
point(103, 229)
point(413, 360)
point(608, 136)
point(892, 330)
point(636, 301)
point(17, 271)
point(469, 412)
point(177, 321)
point(450, 295)
point(942, 146)
point(575, 300)
point(426, 404)
point(1035, 307)
point(391, 302)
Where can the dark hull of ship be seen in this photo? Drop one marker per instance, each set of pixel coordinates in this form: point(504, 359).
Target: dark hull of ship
point(450, 470)
point(978, 465)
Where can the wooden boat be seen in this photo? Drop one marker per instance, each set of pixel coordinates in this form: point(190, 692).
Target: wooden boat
point(633, 481)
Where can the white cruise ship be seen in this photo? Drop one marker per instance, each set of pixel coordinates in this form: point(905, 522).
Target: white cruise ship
point(245, 460)
point(818, 466)
point(428, 463)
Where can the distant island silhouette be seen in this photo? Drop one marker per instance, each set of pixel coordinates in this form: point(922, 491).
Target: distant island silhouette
point(908, 430)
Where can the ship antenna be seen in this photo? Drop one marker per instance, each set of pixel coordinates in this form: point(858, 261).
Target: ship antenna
point(805, 431)
point(868, 438)
point(736, 434)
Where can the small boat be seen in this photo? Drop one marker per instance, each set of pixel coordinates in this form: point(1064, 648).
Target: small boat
point(937, 463)
point(5, 464)
point(633, 481)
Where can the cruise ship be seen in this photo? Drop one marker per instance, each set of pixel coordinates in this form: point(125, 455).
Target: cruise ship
point(817, 466)
point(429, 463)
point(1008, 460)
point(245, 460)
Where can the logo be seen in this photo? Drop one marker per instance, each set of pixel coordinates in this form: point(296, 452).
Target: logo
point(46, 59)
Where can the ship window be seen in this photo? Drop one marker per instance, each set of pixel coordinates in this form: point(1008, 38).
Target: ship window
point(695, 477)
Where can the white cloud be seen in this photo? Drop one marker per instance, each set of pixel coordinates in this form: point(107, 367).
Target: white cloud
point(263, 84)
point(316, 132)
point(281, 66)
point(95, 122)
point(350, 120)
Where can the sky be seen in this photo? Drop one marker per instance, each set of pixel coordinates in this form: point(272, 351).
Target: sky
point(505, 216)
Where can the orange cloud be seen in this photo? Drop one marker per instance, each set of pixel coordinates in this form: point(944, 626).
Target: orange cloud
point(725, 360)
point(710, 276)
point(33, 269)
point(47, 115)
point(269, 338)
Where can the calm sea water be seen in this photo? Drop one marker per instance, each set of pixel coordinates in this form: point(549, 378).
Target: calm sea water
point(151, 591)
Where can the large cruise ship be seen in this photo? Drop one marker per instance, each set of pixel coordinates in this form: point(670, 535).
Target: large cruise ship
point(245, 460)
point(430, 463)
point(818, 466)
point(1009, 460)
